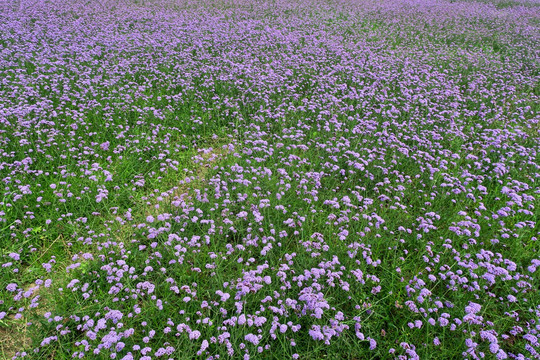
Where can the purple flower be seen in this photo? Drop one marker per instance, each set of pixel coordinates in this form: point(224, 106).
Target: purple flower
point(473, 308)
point(254, 339)
point(11, 287)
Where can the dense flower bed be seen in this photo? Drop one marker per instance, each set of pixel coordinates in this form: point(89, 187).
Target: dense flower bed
point(280, 179)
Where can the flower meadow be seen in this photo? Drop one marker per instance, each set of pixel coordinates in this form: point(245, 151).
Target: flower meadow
point(240, 179)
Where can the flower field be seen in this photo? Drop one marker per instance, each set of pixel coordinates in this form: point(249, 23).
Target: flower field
point(242, 179)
